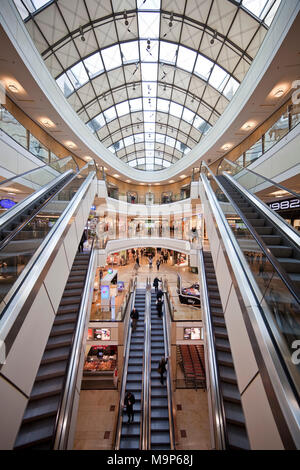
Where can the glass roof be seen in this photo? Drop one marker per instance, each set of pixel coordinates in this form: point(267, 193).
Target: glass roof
point(148, 77)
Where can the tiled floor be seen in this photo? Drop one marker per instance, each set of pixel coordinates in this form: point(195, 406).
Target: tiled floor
point(96, 423)
point(95, 420)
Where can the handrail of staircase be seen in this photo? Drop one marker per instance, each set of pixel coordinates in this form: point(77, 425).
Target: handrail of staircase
point(64, 415)
point(217, 407)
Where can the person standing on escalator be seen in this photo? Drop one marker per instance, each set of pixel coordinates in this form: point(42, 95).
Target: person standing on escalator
point(129, 401)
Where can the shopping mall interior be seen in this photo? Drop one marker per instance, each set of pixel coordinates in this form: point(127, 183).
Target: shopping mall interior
point(149, 225)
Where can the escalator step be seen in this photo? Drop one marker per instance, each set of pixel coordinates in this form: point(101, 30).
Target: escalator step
point(237, 437)
point(47, 388)
point(48, 371)
point(35, 432)
point(160, 425)
point(41, 408)
point(52, 355)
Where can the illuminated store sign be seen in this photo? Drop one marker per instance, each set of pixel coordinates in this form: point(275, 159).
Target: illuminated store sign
point(7, 203)
point(285, 205)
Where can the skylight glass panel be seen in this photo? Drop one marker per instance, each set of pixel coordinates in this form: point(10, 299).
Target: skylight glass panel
point(149, 166)
point(170, 141)
point(133, 163)
point(128, 141)
point(218, 78)
point(203, 67)
point(149, 127)
point(96, 123)
point(65, 85)
point(110, 114)
point(149, 146)
point(188, 115)
point(186, 58)
point(78, 75)
point(22, 10)
point(148, 4)
point(163, 105)
point(149, 154)
point(160, 138)
point(94, 65)
point(112, 149)
point(259, 8)
point(231, 88)
point(270, 17)
point(138, 138)
point(148, 25)
point(118, 145)
point(149, 89)
point(149, 116)
point(168, 52)
point(122, 108)
point(166, 164)
point(149, 104)
point(136, 104)
point(149, 54)
point(111, 57)
point(141, 161)
point(130, 52)
point(176, 109)
point(149, 72)
point(149, 136)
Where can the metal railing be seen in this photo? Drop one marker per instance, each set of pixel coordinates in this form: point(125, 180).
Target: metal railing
point(217, 407)
point(274, 355)
point(118, 432)
point(64, 415)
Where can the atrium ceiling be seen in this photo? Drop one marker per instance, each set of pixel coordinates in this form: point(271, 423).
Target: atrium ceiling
point(148, 77)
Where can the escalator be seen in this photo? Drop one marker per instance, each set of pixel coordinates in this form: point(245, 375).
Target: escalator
point(160, 426)
point(235, 434)
point(39, 424)
point(272, 236)
point(11, 222)
point(23, 235)
point(131, 433)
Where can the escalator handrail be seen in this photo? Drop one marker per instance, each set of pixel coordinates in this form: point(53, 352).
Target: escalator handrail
point(146, 401)
point(21, 226)
point(64, 415)
point(169, 376)
point(289, 231)
point(125, 368)
point(38, 262)
point(218, 412)
point(269, 255)
point(269, 340)
point(278, 185)
point(21, 175)
point(8, 216)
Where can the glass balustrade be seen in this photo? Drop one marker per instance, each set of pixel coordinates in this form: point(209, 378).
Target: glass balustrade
point(17, 253)
point(282, 314)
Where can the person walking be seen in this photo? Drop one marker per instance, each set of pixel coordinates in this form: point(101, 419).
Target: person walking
point(159, 294)
point(159, 306)
point(162, 368)
point(150, 262)
point(137, 260)
point(129, 401)
point(157, 264)
point(155, 284)
point(134, 315)
point(81, 243)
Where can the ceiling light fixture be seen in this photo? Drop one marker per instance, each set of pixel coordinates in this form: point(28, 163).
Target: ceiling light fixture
point(226, 147)
point(279, 93)
point(70, 144)
point(12, 87)
point(116, 176)
point(47, 122)
point(248, 125)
